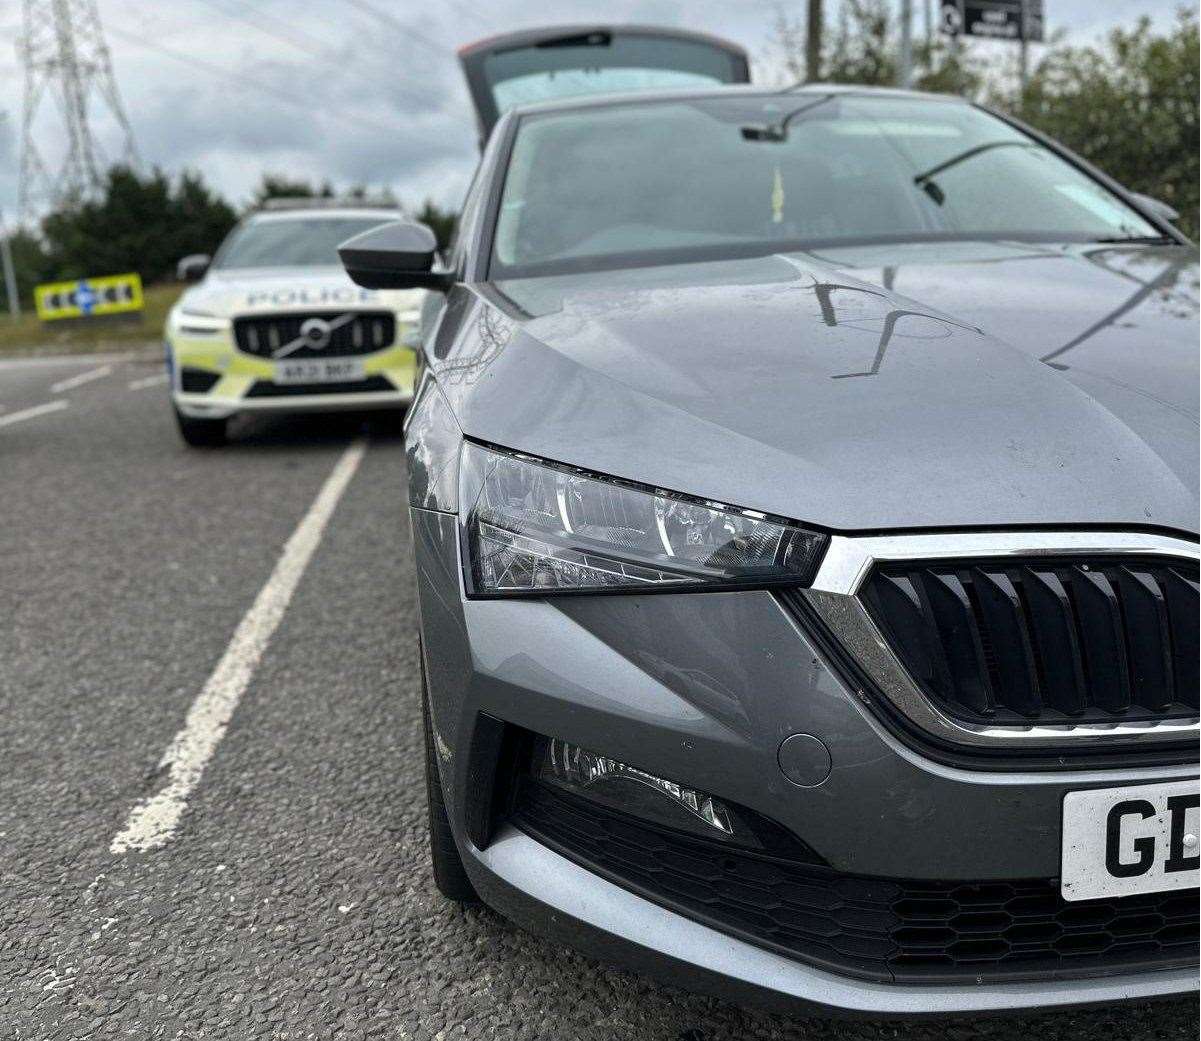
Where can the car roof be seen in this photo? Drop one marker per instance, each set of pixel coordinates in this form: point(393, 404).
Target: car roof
point(326, 212)
point(749, 90)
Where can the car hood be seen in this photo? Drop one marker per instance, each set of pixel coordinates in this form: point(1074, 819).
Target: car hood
point(224, 294)
point(1006, 386)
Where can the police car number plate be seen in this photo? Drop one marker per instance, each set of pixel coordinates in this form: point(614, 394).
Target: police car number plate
point(1121, 841)
point(319, 370)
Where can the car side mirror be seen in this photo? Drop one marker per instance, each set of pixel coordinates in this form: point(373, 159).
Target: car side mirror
point(1157, 206)
point(193, 267)
point(400, 255)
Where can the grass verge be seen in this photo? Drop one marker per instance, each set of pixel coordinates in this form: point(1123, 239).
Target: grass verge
point(28, 335)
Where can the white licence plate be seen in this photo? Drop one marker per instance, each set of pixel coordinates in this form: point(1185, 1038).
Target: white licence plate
point(320, 370)
point(1121, 841)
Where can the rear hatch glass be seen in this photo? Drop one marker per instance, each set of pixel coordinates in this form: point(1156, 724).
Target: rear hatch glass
point(539, 65)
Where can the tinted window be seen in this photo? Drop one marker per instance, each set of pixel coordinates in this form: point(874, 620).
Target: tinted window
point(676, 180)
point(292, 241)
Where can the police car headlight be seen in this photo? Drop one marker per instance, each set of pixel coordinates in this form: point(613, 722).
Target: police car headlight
point(539, 528)
point(185, 324)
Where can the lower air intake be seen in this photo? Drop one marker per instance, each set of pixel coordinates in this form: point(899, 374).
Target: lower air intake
point(267, 389)
point(197, 381)
point(895, 930)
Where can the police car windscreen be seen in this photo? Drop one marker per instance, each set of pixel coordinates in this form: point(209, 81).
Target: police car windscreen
point(291, 242)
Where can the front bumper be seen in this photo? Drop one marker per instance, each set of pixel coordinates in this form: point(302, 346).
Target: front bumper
point(553, 897)
point(703, 689)
point(238, 378)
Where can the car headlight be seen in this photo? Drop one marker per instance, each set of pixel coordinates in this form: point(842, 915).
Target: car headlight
point(432, 440)
point(539, 528)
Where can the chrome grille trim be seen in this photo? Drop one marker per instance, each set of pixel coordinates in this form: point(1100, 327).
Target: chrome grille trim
point(834, 596)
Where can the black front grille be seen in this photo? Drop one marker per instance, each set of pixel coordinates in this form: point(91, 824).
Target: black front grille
point(1047, 641)
point(197, 381)
point(908, 931)
point(267, 389)
point(320, 334)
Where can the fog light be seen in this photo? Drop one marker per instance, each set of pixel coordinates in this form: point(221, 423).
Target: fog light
point(564, 772)
point(632, 789)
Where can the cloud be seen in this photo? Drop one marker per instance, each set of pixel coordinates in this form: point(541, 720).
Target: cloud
point(356, 91)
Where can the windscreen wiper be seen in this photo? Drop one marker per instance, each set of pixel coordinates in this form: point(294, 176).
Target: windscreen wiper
point(926, 181)
point(1146, 240)
point(778, 131)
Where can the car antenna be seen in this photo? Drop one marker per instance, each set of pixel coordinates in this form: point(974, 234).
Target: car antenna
point(774, 132)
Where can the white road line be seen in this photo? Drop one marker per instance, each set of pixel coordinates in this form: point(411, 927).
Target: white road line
point(153, 821)
point(30, 413)
point(74, 360)
point(78, 381)
point(148, 381)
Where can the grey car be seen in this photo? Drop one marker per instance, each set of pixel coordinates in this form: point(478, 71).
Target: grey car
point(803, 489)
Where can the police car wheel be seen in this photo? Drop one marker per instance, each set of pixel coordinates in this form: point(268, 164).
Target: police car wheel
point(200, 433)
point(449, 874)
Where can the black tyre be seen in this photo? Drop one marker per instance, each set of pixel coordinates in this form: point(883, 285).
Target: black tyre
point(449, 875)
point(201, 433)
point(389, 423)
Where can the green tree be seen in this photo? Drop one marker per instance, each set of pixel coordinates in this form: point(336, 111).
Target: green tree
point(441, 222)
point(1128, 106)
point(864, 47)
point(141, 223)
point(30, 263)
point(282, 186)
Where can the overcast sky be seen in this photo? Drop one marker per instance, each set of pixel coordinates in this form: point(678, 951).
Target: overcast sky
point(361, 91)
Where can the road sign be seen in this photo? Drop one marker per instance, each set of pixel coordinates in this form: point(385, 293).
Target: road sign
point(994, 19)
point(89, 297)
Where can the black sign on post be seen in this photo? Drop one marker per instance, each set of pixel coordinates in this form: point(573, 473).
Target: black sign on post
point(993, 19)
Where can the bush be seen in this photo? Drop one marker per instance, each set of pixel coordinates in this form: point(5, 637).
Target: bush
point(1129, 107)
point(138, 223)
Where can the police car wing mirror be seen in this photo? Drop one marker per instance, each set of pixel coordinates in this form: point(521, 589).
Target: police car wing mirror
point(400, 255)
point(192, 267)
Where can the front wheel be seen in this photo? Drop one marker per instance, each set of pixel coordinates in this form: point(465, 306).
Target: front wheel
point(449, 875)
point(200, 433)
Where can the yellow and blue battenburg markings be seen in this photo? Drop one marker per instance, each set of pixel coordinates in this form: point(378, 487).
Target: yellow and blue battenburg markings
point(89, 297)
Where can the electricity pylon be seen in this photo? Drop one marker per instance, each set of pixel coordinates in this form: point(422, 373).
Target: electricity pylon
point(63, 53)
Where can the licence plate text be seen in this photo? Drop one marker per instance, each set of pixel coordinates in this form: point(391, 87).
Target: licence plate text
point(1138, 839)
point(345, 370)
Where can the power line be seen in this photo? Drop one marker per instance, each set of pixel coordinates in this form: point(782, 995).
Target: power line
point(464, 9)
point(399, 26)
point(296, 37)
point(246, 81)
point(288, 34)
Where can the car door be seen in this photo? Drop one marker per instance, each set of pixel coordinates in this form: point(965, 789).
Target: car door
point(541, 64)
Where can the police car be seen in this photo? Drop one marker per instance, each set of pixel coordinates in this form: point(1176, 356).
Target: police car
point(274, 324)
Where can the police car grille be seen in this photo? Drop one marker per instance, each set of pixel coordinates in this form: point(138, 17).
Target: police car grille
point(362, 333)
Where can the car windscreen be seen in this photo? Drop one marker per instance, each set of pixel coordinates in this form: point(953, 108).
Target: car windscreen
point(291, 241)
point(669, 181)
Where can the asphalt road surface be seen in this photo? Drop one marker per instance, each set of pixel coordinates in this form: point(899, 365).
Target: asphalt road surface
point(273, 879)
